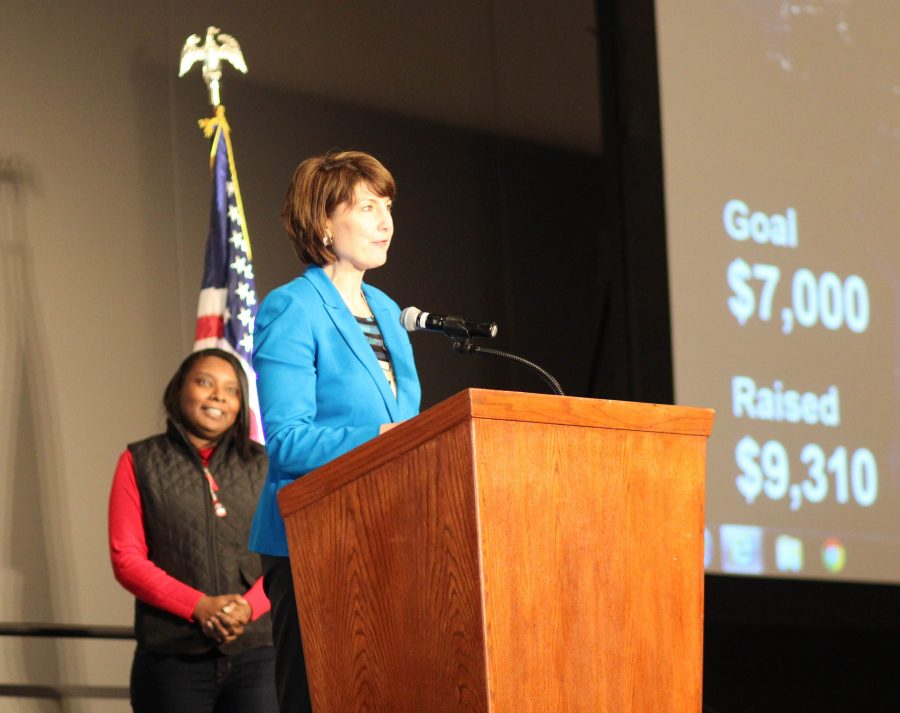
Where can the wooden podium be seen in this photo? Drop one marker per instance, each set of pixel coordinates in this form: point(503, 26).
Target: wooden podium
point(506, 552)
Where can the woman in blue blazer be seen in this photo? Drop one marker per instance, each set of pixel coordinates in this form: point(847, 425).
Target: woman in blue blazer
point(334, 366)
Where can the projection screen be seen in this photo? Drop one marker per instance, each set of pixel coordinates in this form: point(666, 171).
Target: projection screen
point(782, 181)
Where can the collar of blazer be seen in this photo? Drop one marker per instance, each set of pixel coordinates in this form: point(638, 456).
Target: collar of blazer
point(349, 329)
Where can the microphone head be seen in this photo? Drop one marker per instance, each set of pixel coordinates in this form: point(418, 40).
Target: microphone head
point(409, 318)
point(486, 329)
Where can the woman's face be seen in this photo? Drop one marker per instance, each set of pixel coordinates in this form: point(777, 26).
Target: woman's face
point(361, 230)
point(210, 400)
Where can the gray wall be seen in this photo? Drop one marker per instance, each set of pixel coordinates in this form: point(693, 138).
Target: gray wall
point(485, 112)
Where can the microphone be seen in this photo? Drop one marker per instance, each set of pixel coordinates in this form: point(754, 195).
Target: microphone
point(412, 319)
point(460, 330)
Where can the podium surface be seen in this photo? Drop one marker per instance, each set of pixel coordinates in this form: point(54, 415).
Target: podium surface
point(507, 552)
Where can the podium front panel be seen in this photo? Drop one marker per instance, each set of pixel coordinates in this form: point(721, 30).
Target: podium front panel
point(388, 586)
point(592, 544)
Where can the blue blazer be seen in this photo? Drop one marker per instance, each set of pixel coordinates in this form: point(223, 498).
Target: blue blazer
point(321, 389)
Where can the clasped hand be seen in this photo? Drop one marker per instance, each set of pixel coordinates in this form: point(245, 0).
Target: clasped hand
point(223, 617)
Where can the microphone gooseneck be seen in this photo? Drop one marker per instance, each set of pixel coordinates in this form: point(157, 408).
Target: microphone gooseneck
point(460, 333)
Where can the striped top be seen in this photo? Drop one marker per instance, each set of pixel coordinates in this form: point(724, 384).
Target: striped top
point(373, 334)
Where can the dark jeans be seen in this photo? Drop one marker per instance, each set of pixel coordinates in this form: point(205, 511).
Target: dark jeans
point(290, 667)
point(208, 683)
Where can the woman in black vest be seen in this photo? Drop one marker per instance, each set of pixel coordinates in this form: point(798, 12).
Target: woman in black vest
point(179, 517)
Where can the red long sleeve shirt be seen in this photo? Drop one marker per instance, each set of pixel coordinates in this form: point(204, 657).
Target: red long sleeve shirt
point(128, 552)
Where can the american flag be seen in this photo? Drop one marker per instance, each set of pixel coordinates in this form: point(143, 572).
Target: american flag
point(226, 310)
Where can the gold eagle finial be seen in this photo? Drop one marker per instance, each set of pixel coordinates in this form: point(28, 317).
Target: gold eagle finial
point(217, 47)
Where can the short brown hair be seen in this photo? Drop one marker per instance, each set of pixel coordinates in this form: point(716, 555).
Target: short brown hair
point(318, 186)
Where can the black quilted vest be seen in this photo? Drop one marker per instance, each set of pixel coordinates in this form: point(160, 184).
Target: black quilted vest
point(188, 541)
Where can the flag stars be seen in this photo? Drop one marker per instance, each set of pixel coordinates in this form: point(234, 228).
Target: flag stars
point(246, 293)
point(234, 215)
point(229, 187)
point(246, 318)
point(237, 239)
point(242, 267)
point(247, 342)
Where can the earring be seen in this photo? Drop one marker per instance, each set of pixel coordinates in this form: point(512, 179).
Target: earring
point(326, 241)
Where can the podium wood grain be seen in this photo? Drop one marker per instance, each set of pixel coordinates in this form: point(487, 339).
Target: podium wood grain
point(507, 552)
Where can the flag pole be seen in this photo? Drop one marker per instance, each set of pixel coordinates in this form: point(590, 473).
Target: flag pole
point(226, 309)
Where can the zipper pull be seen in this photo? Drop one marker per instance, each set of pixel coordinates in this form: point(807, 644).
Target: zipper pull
point(218, 507)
